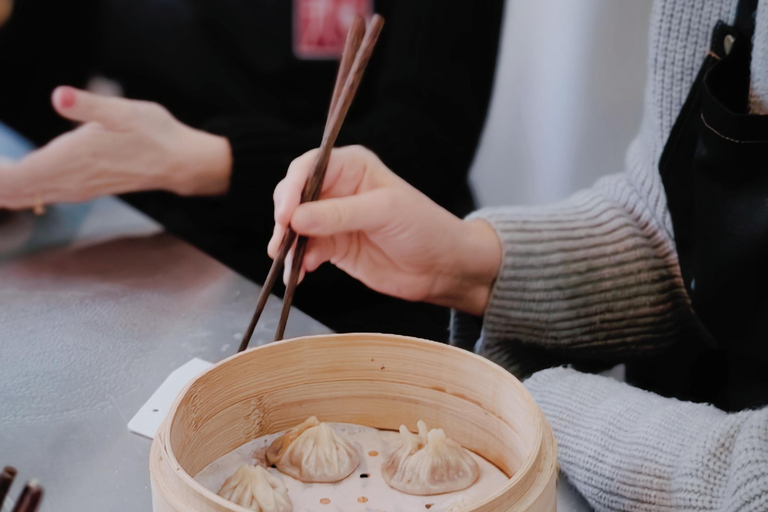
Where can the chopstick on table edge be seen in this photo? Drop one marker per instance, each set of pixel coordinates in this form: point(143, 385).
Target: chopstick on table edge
point(6, 480)
point(357, 53)
point(30, 498)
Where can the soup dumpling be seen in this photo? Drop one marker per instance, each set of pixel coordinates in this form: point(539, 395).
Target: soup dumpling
point(314, 452)
point(429, 463)
point(254, 488)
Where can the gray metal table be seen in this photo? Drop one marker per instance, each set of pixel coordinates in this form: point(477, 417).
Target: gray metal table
point(97, 307)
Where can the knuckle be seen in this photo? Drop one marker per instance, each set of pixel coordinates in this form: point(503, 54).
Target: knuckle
point(152, 109)
point(354, 152)
point(298, 165)
point(277, 193)
point(293, 167)
point(364, 152)
point(309, 156)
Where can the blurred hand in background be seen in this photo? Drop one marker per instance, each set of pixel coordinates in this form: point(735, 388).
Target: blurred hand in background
point(258, 73)
point(122, 146)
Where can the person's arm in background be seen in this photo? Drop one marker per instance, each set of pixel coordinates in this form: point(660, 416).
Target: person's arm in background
point(45, 43)
point(122, 145)
point(425, 99)
point(429, 83)
point(627, 449)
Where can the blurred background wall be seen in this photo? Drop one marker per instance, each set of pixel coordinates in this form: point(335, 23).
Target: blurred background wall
point(567, 99)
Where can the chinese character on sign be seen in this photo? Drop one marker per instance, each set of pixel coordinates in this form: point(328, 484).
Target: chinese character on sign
point(320, 26)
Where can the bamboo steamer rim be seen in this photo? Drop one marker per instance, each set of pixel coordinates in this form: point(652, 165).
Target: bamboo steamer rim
point(544, 439)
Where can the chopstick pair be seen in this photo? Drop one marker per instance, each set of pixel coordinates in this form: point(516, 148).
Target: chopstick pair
point(31, 496)
point(357, 52)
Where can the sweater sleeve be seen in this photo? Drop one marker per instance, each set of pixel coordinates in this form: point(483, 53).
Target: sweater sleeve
point(594, 277)
point(627, 449)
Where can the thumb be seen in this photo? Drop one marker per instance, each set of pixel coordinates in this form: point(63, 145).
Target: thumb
point(328, 217)
point(84, 106)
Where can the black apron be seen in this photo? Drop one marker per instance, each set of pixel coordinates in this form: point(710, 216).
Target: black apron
point(715, 174)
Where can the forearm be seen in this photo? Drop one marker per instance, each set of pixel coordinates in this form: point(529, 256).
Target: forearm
point(627, 449)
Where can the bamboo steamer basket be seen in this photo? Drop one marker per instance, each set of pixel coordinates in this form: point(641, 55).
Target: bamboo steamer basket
point(377, 380)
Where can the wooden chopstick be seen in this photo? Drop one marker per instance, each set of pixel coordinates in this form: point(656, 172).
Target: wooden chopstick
point(35, 497)
point(315, 184)
point(6, 480)
point(357, 52)
point(352, 45)
point(30, 498)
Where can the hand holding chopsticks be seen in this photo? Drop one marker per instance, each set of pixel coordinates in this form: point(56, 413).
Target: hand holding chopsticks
point(357, 52)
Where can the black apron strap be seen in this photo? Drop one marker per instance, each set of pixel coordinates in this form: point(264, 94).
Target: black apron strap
point(745, 17)
point(714, 178)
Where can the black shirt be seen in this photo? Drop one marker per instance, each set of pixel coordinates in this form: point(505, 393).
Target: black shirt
point(228, 66)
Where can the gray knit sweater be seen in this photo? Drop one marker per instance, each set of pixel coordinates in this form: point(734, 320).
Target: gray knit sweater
point(598, 273)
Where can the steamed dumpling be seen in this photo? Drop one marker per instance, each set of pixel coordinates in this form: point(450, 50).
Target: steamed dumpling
point(429, 463)
point(314, 452)
point(254, 488)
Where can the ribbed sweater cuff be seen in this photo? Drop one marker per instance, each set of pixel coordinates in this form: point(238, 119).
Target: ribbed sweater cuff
point(465, 329)
point(582, 274)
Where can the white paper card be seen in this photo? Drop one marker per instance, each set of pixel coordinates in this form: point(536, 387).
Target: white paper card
point(151, 415)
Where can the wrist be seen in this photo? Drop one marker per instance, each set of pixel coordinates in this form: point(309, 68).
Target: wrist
point(473, 268)
point(204, 166)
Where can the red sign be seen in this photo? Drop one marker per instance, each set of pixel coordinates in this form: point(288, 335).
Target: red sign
point(320, 26)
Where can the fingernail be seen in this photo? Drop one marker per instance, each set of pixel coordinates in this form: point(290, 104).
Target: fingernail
point(67, 97)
